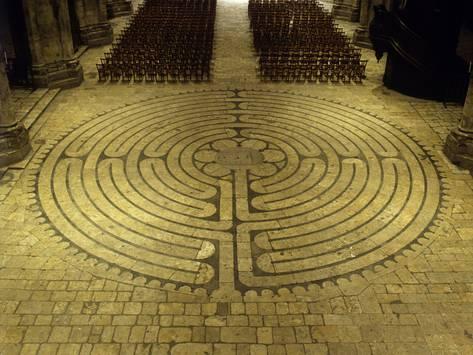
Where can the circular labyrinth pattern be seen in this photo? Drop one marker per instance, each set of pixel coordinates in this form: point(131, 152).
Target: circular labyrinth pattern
point(239, 189)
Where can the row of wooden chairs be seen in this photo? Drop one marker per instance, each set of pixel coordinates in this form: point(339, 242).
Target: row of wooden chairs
point(320, 69)
point(166, 40)
point(155, 72)
point(297, 40)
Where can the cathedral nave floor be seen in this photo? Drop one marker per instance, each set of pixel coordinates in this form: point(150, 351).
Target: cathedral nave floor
point(236, 217)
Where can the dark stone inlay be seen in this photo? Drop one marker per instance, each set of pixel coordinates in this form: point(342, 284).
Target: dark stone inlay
point(239, 158)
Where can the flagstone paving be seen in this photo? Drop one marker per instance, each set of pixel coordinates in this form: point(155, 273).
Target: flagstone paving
point(237, 217)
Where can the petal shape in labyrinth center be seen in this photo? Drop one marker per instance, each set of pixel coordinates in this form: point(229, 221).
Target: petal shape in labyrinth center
point(273, 156)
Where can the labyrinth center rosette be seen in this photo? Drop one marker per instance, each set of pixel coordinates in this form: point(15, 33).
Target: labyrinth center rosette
point(242, 188)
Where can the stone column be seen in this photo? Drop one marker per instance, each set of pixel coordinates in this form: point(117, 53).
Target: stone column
point(14, 143)
point(347, 10)
point(116, 8)
point(361, 35)
point(95, 30)
point(459, 145)
point(50, 38)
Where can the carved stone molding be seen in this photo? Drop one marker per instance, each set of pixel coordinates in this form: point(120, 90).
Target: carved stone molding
point(459, 145)
point(348, 10)
point(459, 148)
point(97, 35)
point(14, 144)
point(60, 74)
point(361, 37)
point(116, 8)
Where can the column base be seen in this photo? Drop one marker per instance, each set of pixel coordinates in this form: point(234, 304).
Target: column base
point(116, 8)
point(14, 144)
point(61, 74)
point(459, 148)
point(361, 38)
point(347, 13)
point(97, 35)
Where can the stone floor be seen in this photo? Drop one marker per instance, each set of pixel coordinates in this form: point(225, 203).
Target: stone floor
point(237, 217)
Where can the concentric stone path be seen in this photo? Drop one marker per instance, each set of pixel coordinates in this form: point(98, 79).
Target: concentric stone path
point(239, 190)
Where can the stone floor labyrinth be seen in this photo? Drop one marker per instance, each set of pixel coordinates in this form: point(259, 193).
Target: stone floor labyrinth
point(239, 190)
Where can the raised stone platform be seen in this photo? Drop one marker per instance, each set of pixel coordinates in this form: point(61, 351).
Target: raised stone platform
point(97, 35)
point(346, 12)
point(117, 8)
point(14, 144)
point(361, 38)
point(61, 74)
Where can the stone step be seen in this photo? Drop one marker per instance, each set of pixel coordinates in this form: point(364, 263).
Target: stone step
point(119, 8)
point(24, 105)
point(33, 122)
point(40, 106)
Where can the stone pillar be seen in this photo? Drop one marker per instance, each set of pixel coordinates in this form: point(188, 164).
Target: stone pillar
point(95, 30)
point(347, 10)
point(50, 38)
point(361, 35)
point(116, 8)
point(14, 143)
point(459, 145)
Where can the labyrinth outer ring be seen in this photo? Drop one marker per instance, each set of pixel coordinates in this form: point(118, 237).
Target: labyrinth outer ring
point(351, 192)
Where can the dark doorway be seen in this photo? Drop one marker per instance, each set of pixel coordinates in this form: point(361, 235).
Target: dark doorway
point(14, 40)
point(75, 26)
